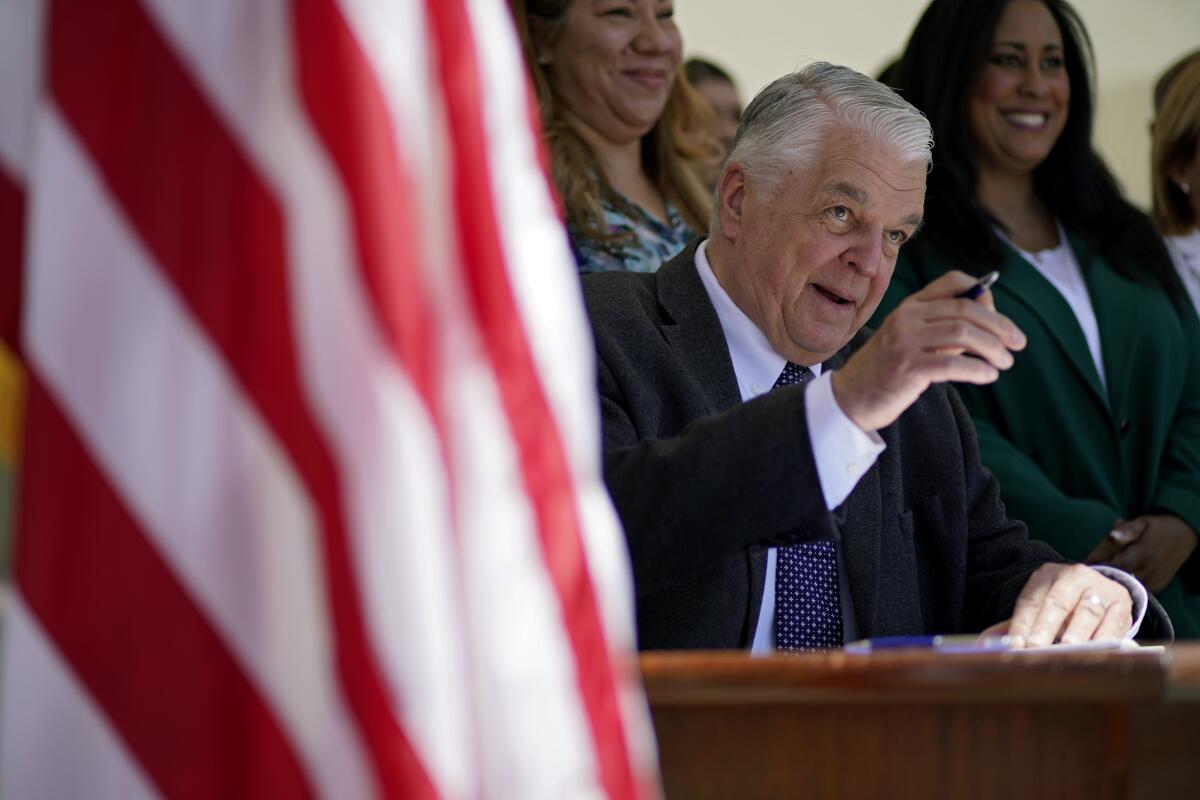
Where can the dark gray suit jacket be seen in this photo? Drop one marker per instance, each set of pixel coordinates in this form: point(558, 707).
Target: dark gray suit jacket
point(704, 483)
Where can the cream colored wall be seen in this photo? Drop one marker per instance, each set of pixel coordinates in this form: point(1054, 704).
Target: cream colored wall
point(759, 40)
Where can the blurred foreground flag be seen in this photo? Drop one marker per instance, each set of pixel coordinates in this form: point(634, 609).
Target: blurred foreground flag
point(309, 499)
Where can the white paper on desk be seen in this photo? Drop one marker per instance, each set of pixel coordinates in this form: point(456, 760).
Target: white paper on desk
point(1096, 646)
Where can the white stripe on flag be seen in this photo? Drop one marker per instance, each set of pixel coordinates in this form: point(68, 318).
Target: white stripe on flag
point(384, 442)
point(557, 332)
point(561, 341)
point(79, 754)
point(189, 456)
point(22, 22)
point(534, 732)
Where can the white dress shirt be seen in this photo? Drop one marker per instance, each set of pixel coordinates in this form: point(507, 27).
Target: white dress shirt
point(1185, 252)
point(1059, 266)
point(843, 452)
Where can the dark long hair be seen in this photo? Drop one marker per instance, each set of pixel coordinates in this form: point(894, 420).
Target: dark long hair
point(940, 65)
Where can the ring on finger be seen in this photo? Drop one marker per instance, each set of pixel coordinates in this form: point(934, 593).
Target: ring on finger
point(1096, 601)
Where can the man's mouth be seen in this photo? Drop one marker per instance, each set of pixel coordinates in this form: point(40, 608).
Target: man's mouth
point(833, 296)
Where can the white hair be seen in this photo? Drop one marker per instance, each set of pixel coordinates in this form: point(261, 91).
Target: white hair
point(787, 123)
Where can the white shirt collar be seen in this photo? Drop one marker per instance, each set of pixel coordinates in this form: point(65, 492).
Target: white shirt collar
point(1188, 246)
point(755, 363)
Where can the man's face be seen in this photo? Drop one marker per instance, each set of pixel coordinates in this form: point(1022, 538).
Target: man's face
point(810, 264)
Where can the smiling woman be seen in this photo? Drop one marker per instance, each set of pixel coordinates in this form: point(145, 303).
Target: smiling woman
point(627, 134)
point(1094, 433)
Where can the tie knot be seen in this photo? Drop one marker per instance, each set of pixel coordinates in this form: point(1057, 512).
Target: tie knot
point(793, 375)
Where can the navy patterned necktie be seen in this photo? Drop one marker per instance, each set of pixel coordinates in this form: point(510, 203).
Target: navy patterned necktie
point(808, 614)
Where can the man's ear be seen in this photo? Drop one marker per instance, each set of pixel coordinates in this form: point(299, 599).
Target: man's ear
point(733, 189)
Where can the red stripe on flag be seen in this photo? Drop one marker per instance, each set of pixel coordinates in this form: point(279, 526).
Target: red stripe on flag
point(544, 468)
point(217, 233)
point(12, 258)
point(356, 115)
point(146, 654)
point(345, 102)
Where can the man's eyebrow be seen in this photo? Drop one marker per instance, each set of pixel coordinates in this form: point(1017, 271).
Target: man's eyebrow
point(847, 190)
point(916, 220)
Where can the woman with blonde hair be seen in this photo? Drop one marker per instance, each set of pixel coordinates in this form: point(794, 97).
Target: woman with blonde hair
point(626, 133)
point(1175, 166)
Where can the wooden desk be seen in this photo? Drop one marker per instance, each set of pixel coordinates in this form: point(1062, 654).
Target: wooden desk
point(915, 724)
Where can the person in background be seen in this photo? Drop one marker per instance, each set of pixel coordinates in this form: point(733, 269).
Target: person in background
point(626, 134)
point(716, 87)
point(1094, 434)
point(1175, 167)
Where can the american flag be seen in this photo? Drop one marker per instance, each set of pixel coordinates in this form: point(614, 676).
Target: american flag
point(309, 499)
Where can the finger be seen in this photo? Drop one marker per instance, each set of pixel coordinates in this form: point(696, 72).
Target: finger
point(1026, 609)
point(1103, 552)
point(961, 336)
point(1117, 620)
point(982, 315)
point(1057, 605)
point(1135, 558)
point(1085, 618)
point(999, 629)
point(948, 284)
point(1127, 531)
point(943, 367)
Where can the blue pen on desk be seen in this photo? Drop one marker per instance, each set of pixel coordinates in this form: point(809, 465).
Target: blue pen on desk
point(980, 286)
point(970, 643)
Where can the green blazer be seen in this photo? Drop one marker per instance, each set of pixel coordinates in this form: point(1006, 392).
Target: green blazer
point(1071, 455)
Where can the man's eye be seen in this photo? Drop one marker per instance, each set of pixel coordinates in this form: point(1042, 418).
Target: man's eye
point(840, 213)
point(897, 237)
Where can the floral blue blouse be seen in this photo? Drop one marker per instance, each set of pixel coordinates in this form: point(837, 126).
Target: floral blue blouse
point(652, 243)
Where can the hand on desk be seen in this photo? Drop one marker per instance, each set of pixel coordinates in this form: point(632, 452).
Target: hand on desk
point(1152, 548)
point(1068, 603)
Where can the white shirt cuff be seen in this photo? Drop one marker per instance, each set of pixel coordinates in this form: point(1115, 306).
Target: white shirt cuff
point(1136, 591)
point(842, 450)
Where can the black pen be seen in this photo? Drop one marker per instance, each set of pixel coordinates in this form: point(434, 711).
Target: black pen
point(980, 286)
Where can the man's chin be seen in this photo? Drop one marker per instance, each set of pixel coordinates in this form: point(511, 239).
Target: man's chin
point(821, 345)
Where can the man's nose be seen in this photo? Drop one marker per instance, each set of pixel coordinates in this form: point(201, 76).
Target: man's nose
point(865, 254)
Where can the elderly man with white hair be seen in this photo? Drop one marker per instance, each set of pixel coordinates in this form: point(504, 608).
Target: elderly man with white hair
point(785, 480)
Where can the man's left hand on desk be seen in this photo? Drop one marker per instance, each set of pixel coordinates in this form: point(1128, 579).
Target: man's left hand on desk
point(1068, 603)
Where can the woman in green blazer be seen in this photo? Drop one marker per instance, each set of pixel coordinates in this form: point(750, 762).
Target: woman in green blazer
point(1094, 433)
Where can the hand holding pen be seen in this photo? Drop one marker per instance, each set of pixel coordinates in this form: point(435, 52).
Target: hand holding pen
point(948, 331)
point(980, 286)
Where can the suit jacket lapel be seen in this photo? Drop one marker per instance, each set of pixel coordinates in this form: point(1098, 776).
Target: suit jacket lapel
point(696, 339)
point(1116, 318)
point(695, 331)
point(1023, 284)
